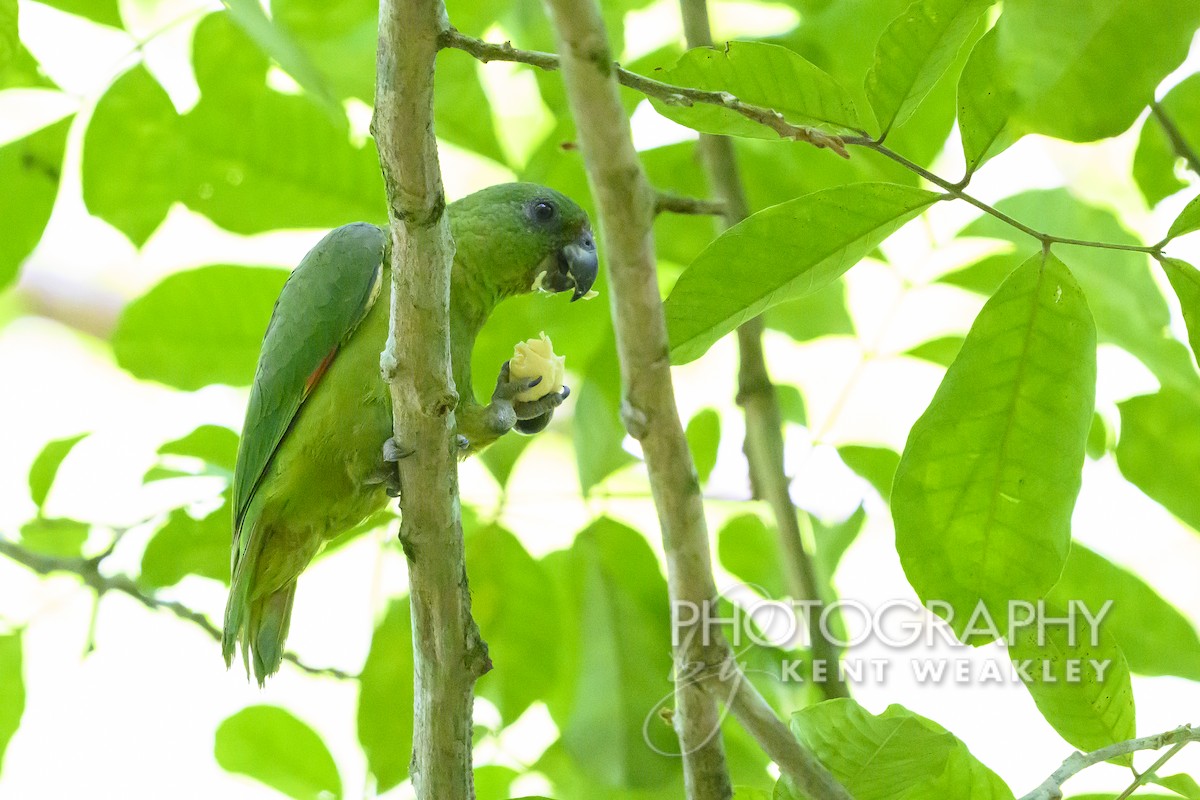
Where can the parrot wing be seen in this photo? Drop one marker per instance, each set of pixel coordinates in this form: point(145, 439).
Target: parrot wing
point(322, 302)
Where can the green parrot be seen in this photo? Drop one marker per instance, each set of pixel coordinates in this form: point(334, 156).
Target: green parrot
point(317, 454)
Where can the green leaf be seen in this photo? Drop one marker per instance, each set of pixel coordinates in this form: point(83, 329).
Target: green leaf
point(55, 536)
point(271, 746)
point(941, 351)
point(786, 251)
point(615, 601)
point(1081, 687)
point(1187, 221)
point(1154, 636)
point(517, 609)
point(1056, 51)
point(984, 491)
point(749, 550)
point(1159, 450)
point(1157, 162)
point(198, 327)
point(12, 699)
point(876, 464)
point(791, 404)
point(106, 12)
point(492, 782)
point(30, 169)
point(338, 39)
point(985, 104)
point(132, 153)
point(10, 40)
point(1100, 438)
point(212, 444)
point(385, 699)
point(822, 313)
point(500, 458)
point(703, 438)
point(915, 51)
point(597, 430)
point(45, 467)
point(833, 540)
point(275, 41)
point(896, 754)
point(759, 74)
point(1185, 280)
point(184, 546)
point(1184, 785)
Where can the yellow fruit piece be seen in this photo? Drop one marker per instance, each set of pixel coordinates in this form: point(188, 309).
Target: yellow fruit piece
point(535, 358)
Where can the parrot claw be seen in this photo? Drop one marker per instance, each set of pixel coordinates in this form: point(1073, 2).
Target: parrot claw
point(543, 405)
point(462, 442)
point(393, 451)
point(507, 389)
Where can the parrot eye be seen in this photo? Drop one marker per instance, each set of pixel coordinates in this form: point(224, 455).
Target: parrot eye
point(543, 211)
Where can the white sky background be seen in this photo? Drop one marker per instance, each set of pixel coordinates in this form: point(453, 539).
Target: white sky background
point(135, 719)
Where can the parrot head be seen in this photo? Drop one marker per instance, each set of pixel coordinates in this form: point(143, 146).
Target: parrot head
point(521, 237)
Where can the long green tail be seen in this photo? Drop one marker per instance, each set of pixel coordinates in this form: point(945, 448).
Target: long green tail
point(259, 623)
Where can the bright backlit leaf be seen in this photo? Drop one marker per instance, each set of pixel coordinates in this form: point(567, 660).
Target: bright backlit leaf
point(915, 51)
point(1187, 221)
point(1155, 637)
point(187, 546)
point(45, 467)
point(212, 444)
point(55, 536)
point(781, 253)
point(1079, 680)
point(984, 491)
point(894, 754)
point(385, 699)
point(30, 169)
point(1159, 450)
point(1185, 280)
point(749, 550)
point(12, 699)
point(759, 74)
point(703, 438)
point(271, 746)
point(985, 104)
point(1159, 162)
point(199, 327)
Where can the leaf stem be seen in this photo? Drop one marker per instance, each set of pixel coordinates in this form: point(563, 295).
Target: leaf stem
point(1051, 788)
point(88, 571)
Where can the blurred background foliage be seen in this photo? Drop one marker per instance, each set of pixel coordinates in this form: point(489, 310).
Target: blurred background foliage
point(163, 163)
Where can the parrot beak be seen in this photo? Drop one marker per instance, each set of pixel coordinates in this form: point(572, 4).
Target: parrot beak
point(577, 265)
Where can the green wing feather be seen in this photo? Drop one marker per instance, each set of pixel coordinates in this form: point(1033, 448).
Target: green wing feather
point(321, 303)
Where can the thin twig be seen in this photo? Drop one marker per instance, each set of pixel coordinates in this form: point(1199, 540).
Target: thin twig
point(677, 204)
point(757, 395)
point(1178, 143)
point(88, 571)
point(448, 653)
point(666, 92)
point(1051, 788)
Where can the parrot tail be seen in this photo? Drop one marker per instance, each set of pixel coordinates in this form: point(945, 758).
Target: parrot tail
point(258, 620)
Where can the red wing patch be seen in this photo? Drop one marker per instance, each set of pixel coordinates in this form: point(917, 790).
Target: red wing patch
point(315, 377)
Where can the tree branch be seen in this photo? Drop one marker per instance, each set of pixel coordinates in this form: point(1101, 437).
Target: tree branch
point(667, 93)
point(88, 571)
point(1051, 788)
point(1178, 143)
point(677, 204)
point(756, 394)
point(626, 206)
point(448, 653)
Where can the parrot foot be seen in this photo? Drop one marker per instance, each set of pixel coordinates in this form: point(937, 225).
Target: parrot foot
point(387, 474)
point(506, 412)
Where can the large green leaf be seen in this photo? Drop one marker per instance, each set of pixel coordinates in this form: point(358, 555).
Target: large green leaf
point(915, 51)
point(985, 103)
point(1159, 450)
point(896, 755)
point(30, 169)
point(385, 699)
point(1056, 51)
point(198, 327)
point(44, 469)
point(1128, 306)
point(132, 153)
point(617, 659)
point(984, 491)
point(187, 546)
point(1187, 221)
point(1079, 680)
point(1158, 158)
point(760, 74)
point(213, 444)
point(1155, 637)
point(12, 699)
point(786, 251)
point(275, 41)
point(271, 746)
point(516, 606)
point(1185, 280)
